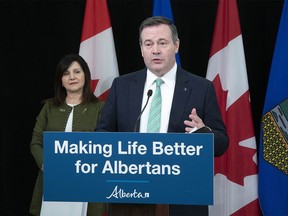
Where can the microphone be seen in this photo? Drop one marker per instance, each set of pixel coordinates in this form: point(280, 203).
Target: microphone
point(149, 93)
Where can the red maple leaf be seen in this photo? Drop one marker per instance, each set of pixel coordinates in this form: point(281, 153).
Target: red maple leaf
point(237, 162)
point(251, 208)
point(93, 84)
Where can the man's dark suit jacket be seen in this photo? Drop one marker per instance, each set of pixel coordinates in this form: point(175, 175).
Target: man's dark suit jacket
point(124, 102)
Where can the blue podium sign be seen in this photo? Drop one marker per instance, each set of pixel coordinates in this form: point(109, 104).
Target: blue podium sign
point(159, 168)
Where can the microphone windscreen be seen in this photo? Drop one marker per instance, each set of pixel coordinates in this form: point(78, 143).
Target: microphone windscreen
point(149, 93)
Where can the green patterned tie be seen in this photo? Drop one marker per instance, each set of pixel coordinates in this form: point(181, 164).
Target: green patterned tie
point(155, 109)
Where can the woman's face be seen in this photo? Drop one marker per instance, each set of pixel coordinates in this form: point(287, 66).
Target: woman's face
point(73, 79)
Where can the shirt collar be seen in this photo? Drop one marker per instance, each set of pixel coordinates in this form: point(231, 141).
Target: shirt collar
point(169, 78)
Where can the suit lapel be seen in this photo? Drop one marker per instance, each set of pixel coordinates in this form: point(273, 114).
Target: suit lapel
point(135, 96)
point(180, 99)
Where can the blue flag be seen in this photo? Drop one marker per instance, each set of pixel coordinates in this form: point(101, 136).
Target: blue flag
point(273, 146)
point(163, 8)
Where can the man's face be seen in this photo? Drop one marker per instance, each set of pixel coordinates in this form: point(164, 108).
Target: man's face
point(158, 49)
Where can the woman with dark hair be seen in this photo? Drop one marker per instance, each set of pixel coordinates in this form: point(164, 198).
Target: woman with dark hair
point(74, 107)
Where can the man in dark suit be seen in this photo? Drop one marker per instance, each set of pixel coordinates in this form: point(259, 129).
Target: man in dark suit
point(188, 101)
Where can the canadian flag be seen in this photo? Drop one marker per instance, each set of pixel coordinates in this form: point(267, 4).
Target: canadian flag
point(236, 172)
point(97, 47)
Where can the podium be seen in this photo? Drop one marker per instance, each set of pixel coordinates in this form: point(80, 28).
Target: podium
point(140, 169)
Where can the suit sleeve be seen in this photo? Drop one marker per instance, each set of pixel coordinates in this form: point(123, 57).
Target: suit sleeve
point(36, 145)
point(108, 118)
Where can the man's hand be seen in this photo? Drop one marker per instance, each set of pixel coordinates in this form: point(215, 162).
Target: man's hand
point(194, 123)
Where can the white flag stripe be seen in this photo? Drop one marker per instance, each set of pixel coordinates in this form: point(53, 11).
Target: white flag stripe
point(230, 64)
point(242, 195)
point(99, 53)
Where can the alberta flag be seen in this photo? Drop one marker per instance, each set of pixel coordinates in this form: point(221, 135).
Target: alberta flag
point(236, 172)
point(273, 151)
point(97, 47)
point(163, 8)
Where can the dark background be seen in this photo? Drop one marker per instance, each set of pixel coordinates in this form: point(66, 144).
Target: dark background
point(34, 36)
